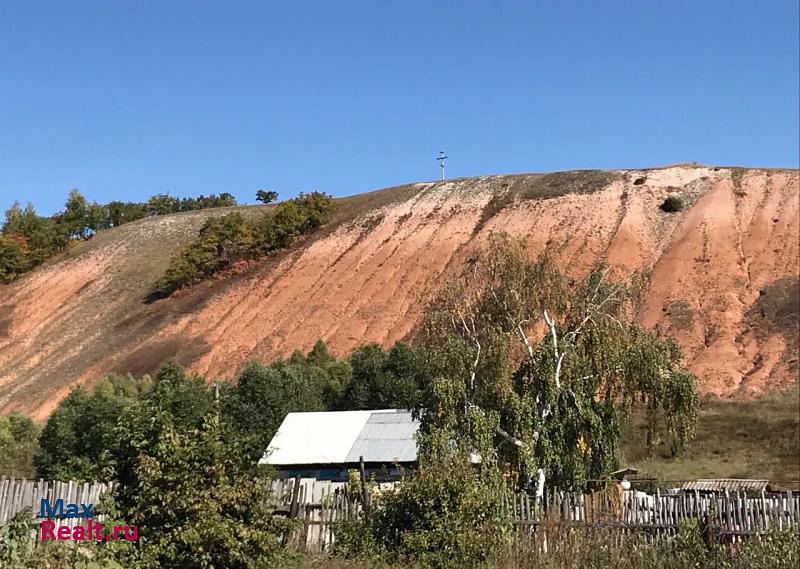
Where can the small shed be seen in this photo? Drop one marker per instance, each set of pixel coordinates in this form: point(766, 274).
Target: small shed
point(325, 445)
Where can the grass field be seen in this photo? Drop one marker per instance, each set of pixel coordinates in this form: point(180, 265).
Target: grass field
point(759, 438)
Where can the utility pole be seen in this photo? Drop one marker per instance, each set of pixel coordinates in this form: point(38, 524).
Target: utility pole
point(441, 160)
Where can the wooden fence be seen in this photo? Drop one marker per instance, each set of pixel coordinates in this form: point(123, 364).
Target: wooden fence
point(318, 505)
point(722, 516)
point(21, 495)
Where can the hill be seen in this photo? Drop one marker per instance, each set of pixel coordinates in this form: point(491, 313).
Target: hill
point(724, 277)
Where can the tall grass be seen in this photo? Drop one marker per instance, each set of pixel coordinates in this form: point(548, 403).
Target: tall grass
point(572, 548)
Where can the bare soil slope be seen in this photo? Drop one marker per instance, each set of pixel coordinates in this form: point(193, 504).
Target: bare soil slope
point(724, 277)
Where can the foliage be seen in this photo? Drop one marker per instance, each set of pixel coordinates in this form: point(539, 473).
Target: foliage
point(221, 242)
point(19, 550)
point(384, 380)
point(163, 204)
point(78, 436)
point(27, 239)
point(444, 516)
point(224, 240)
point(264, 395)
point(672, 204)
point(75, 217)
point(266, 196)
point(299, 216)
point(18, 443)
point(197, 500)
point(550, 407)
point(12, 258)
point(574, 548)
point(124, 212)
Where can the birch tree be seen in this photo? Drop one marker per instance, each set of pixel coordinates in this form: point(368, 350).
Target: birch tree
point(535, 371)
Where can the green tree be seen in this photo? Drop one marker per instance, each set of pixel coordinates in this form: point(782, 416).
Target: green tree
point(226, 239)
point(186, 398)
point(39, 237)
point(384, 380)
point(97, 217)
point(264, 395)
point(79, 435)
point(124, 212)
point(546, 407)
point(163, 204)
point(12, 259)
point(200, 501)
point(289, 219)
point(222, 241)
point(266, 196)
point(76, 215)
point(18, 443)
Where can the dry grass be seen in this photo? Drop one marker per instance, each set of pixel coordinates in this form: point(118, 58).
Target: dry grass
point(758, 438)
point(680, 315)
point(573, 548)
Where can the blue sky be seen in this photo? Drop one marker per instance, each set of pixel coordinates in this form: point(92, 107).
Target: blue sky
point(126, 99)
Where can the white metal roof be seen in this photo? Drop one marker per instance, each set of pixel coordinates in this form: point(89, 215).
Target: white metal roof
point(341, 437)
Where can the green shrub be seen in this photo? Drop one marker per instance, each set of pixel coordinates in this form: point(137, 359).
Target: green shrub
point(224, 240)
point(672, 204)
point(443, 517)
point(19, 549)
point(198, 501)
point(12, 259)
point(18, 443)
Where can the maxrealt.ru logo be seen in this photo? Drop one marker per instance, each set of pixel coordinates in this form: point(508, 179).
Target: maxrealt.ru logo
point(91, 531)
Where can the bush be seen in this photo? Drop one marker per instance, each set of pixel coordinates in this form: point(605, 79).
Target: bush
point(672, 204)
point(19, 549)
point(18, 443)
point(224, 240)
point(443, 517)
point(12, 259)
point(197, 500)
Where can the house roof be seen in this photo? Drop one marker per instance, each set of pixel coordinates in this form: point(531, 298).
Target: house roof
point(341, 437)
point(723, 484)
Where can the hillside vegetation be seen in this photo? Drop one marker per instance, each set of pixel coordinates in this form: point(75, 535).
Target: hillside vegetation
point(27, 239)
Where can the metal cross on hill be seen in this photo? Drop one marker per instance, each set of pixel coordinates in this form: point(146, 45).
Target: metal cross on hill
point(441, 160)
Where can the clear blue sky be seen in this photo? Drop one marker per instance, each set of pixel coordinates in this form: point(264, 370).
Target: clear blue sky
point(126, 99)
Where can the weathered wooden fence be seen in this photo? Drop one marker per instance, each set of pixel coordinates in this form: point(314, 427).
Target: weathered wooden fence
point(27, 495)
point(318, 505)
point(723, 516)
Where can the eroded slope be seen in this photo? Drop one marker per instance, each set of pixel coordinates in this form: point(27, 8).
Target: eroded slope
point(724, 278)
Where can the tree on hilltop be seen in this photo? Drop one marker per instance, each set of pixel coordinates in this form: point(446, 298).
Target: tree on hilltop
point(266, 196)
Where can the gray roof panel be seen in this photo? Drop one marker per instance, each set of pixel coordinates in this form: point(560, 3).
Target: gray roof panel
point(387, 437)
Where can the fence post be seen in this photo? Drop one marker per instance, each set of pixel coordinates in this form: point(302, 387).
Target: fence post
point(294, 504)
point(363, 473)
